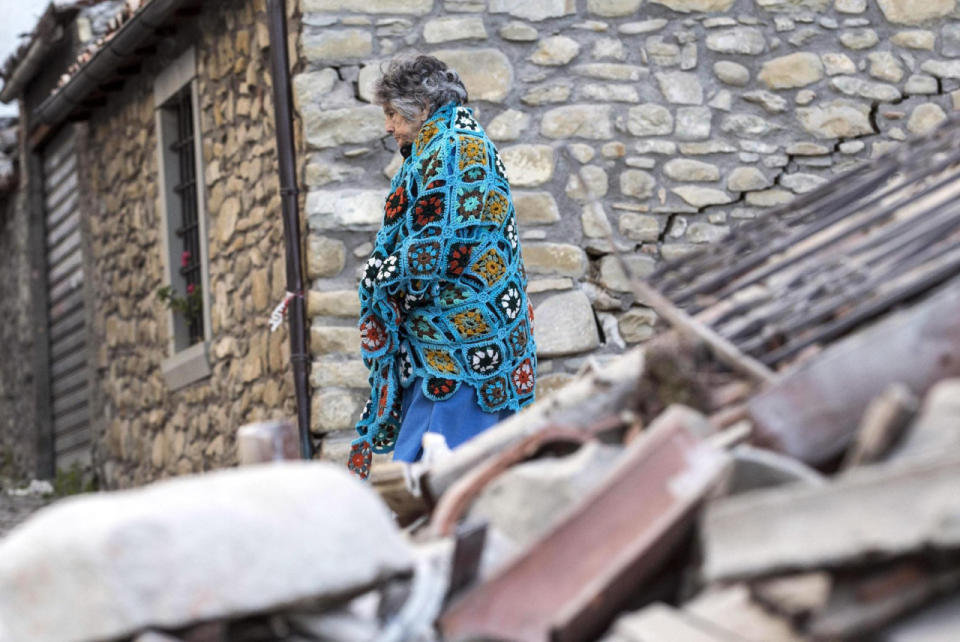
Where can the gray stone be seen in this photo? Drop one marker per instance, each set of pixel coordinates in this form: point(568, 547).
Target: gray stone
point(640, 266)
point(915, 39)
point(770, 102)
point(853, 86)
point(850, 6)
point(150, 552)
point(420, 7)
point(884, 66)
point(610, 93)
point(769, 198)
point(596, 183)
point(794, 70)
point(367, 80)
point(838, 63)
point(702, 196)
point(682, 169)
point(919, 84)
point(645, 26)
point(640, 227)
point(739, 40)
point(613, 8)
point(326, 257)
point(518, 32)
point(447, 29)
point(680, 87)
point(665, 147)
point(528, 165)
point(565, 325)
point(805, 97)
point(594, 221)
point(859, 38)
point(686, 6)
point(748, 125)
point(950, 40)
point(546, 94)
point(508, 125)
point(723, 100)
point(688, 57)
point(700, 232)
point(731, 73)
point(345, 209)
point(333, 303)
point(661, 53)
point(793, 5)
point(747, 179)
point(801, 183)
point(535, 208)
point(707, 147)
point(333, 127)
point(912, 12)
point(535, 10)
point(693, 123)
point(925, 117)
point(838, 119)
point(332, 372)
point(807, 149)
point(611, 71)
point(637, 183)
point(555, 51)
point(636, 324)
point(578, 121)
point(608, 48)
point(852, 147)
point(310, 87)
point(558, 259)
point(942, 68)
point(582, 152)
point(486, 73)
point(336, 44)
point(649, 120)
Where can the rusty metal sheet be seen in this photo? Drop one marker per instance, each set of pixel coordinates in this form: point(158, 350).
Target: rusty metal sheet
point(813, 412)
point(570, 583)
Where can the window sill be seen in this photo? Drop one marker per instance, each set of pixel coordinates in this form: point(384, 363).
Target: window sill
point(186, 367)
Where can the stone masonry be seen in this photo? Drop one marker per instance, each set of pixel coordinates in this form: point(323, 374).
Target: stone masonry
point(147, 430)
point(684, 118)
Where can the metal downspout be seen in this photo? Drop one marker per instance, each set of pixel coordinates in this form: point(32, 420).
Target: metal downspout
point(282, 101)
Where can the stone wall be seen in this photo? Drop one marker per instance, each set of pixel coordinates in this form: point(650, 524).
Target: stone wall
point(685, 117)
point(18, 437)
point(146, 430)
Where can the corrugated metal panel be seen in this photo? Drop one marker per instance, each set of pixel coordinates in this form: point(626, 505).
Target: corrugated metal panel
point(69, 370)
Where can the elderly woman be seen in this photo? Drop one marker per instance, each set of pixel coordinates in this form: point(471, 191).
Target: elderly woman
point(446, 329)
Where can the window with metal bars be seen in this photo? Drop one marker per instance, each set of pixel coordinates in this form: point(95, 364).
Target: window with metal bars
point(187, 229)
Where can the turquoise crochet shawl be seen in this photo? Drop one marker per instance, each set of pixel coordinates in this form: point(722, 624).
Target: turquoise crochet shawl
point(443, 295)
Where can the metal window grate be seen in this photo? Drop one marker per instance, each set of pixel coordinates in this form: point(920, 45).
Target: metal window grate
point(186, 188)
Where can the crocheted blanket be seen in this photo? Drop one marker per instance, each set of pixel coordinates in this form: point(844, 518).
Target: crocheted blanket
point(443, 295)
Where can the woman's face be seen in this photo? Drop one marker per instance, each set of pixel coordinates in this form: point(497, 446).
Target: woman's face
point(403, 131)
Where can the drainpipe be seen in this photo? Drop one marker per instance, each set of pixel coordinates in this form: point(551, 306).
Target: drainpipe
point(282, 101)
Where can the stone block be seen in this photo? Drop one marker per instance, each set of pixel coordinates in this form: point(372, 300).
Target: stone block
point(518, 32)
point(486, 73)
point(791, 71)
point(800, 183)
point(682, 169)
point(593, 220)
point(739, 40)
point(325, 256)
point(578, 121)
point(613, 8)
point(135, 559)
point(868, 89)
point(547, 94)
point(649, 120)
point(613, 277)
point(731, 73)
point(333, 340)
point(912, 12)
point(769, 198)
point(702, 196)
point(334, 303)
point(915, 39)
point(793, 5)
point(418, 7)
point(859, 39)
point(850, 6)
point(535, 208)
point(611, 71)
point(925, 117)
point(637, 183)
point(837, 63)
point(311, 86)
point(336, 44)
point(747, 179)
point(589, 180)
point(344, 209)
point(508, 125)
point(837, 119)
point(686, 6)
point(884, 66)
point(535, 10)
point(693, 123)
point(528, 165)
point(555, 51)
point(455, 28)
point(680, 87)
point(351, 125)
point(335, 409)
point(644, 26)
point(636, 324)
point(640, 227)
point(921, 84)
point(745, 125)
point(559, 259)
point(328, 372)
point(942, 68)
point(565, 325)
point(950, 40)
point(609, 93)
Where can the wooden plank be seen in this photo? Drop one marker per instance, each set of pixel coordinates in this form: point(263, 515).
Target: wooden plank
point(812, 412)
point(868, 515)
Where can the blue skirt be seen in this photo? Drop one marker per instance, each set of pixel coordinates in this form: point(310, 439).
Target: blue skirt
point(458, 419)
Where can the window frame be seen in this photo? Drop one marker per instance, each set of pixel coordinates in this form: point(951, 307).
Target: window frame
point(185, 363)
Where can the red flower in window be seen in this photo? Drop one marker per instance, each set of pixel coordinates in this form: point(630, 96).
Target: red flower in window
point(185, 258)
point(459, 257)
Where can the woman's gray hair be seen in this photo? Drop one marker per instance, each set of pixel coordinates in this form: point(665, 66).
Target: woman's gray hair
point(411, 84)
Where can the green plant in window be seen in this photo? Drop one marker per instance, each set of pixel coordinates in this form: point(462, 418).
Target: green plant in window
point(190, 305)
